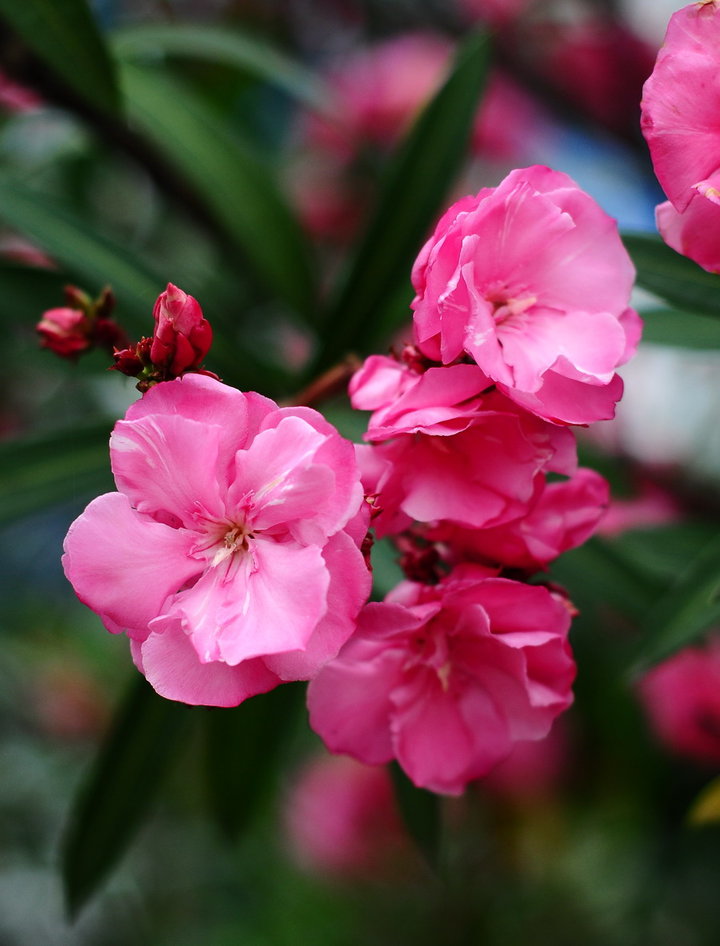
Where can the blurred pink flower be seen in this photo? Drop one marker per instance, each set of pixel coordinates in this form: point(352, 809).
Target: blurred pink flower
point(531, 280)
point(65, 331)
point(16, 97)
point(496, 12)
point(447, 678)
point(533, 771)
point(680, 108)
point(652, 506)
point(341, 818)
point(681, 697)
point(230, 554)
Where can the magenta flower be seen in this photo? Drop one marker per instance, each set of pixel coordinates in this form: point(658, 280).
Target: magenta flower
point(681, 697)
point(447, 678)
point(450, 447)
point(230, 553)
point(681, 124)
point(530, 279)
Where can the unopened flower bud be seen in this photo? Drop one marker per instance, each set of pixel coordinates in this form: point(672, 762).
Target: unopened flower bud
point(182, 336)
point(65, 331)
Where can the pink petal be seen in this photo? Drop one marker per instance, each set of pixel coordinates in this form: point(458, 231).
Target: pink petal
point(124, 565)
point(269, 603)
point(350, 583)
point(167, 465)
point(172, 667)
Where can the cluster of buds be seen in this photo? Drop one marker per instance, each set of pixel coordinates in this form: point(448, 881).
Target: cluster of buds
point(180, 342)
point(81, 325)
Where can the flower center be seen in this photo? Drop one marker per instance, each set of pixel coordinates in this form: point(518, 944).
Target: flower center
point(235, 541)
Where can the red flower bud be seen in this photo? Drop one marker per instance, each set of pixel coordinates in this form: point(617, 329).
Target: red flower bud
point(182, 336)
point(65, 331)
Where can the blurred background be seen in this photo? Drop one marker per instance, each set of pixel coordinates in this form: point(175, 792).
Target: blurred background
point(274, 160)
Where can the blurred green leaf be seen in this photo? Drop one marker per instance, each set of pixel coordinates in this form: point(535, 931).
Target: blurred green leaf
point(222, 46)
point(65, 35)
point(618, 582)
point(421, 813)
point(412, 192)
point(670, 276)
point(233, 180)
point(38, 472)
point(684, 612)
point(244, 749)
point(90, 255)
point(145, 737)
point(680, 329)
point(26, 291)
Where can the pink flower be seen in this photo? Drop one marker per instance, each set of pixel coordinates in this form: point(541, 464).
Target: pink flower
point(447, 678)
point(478, 471)
point(182, 337)
point(530, 279)
point(560, 517)
point(682, 700)
point(341, 817)
point(229, 554)
point(652, 506)
point(680, 108)
point(65, 331)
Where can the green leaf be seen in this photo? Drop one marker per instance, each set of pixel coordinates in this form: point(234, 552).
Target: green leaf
point(90, 255)
point(38, 472)
point(413, 190)
point(244, 752)
point(233, 180)
point(145, 737)
point(684, 612)
point(222, 46)
point(26, 291)
point(64, 34)
point(672, 277)
point(680, 329)
point(421, 814)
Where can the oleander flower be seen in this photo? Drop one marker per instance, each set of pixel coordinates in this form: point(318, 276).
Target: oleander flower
point(447, 678)
point(681, 697)
point(230, 553)
point(680, 108)
point(530, 279)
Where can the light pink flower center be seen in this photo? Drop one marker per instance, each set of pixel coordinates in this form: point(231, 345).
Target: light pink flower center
point(504, 307)
point(432, 650)
point(224, 542)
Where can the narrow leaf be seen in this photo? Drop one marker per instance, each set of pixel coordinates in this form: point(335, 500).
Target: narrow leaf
point(681, 329)
point(685, 612)
point(421, 814)
point(244, 749)
point(672, 277)
point(38, 472)
point(415, 185)
point(146, 736)
point(222, 46)
point(233, 180)
point(88, 254)
point(66, 37)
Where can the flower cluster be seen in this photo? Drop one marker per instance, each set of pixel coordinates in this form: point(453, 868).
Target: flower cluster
point(233, 552)
point(520, 320)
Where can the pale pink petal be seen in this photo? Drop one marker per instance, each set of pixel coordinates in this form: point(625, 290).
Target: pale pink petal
point(350, 583)
point(268, 603)
point(567, 401)
point(124, 565)
point(173, 668)
point(695, 232)
point(146, 456)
